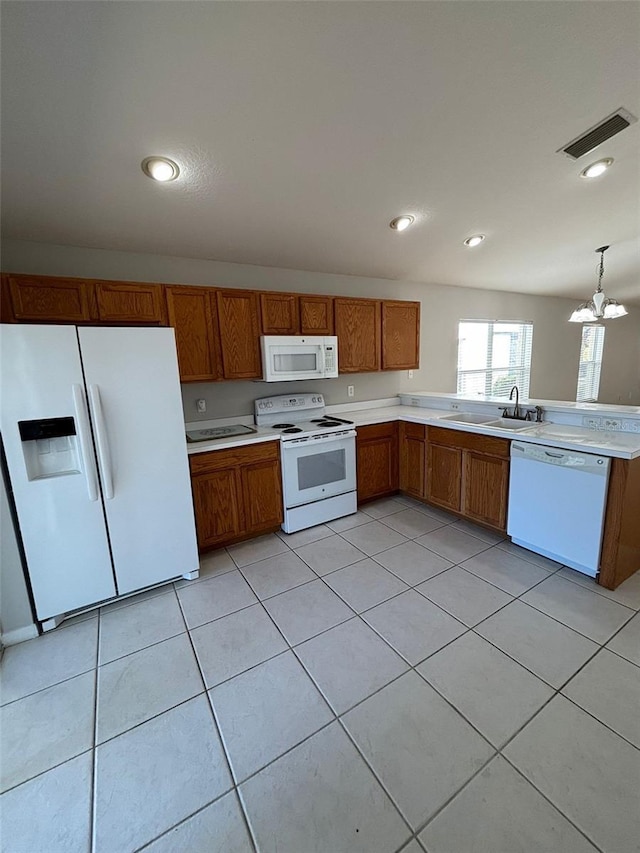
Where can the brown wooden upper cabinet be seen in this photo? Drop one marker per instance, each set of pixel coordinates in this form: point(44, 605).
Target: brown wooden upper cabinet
point(239, 320)
point(316, 315)
point(357, 324)
point(130, 302)
point(280, 314)
point(193, 313)
point(400, 335)
point(40, 299)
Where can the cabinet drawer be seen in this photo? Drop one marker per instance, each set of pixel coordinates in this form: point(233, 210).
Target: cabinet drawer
point(469, 441)
point(374, 431)
point(418, 431)
point(216, 460)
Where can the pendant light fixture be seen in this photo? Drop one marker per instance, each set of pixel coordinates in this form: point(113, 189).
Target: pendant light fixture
point(599, 307)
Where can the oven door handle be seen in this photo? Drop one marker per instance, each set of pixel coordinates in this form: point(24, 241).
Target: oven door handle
point(318, 440)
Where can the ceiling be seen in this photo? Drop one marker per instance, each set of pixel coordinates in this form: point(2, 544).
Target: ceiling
point(302, 129)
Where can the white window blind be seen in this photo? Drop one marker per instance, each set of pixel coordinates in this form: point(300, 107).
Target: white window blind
point(493, 356)
point(590, 363)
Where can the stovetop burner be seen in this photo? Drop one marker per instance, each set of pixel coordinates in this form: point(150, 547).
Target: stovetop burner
point(292, 429)
point(282, 426)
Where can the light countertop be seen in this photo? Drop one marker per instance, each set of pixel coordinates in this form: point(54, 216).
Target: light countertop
point(567, 437)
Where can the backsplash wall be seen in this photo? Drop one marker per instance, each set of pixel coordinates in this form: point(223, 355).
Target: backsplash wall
point(228, 399)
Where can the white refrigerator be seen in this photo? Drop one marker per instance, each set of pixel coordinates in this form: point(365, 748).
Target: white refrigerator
point(94, 438)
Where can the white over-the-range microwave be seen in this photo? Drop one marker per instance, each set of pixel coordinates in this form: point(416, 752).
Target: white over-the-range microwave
point(286, 358)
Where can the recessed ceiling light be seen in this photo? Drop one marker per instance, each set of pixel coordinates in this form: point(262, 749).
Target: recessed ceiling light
point(474, 240)
point(160, 168)
point(597, 168)
point(401, 222)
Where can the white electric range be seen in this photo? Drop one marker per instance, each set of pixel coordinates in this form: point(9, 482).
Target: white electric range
point(318, 459)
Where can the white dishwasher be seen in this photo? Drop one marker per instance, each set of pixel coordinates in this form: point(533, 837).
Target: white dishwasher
point(556, 503)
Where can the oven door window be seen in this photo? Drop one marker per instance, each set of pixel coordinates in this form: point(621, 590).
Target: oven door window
point(314, 470)
point(322, 469)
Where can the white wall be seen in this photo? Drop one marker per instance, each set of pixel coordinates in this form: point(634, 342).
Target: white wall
point(556, 342)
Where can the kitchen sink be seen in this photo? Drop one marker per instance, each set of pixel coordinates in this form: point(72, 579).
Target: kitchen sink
point(510, 424)
point(468, 418)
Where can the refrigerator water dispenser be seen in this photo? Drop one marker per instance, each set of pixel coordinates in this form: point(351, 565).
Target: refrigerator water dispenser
point(50, 447)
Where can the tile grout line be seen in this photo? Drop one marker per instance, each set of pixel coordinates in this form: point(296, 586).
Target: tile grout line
point(557, 808)
point(93, 801)
point(218, 729)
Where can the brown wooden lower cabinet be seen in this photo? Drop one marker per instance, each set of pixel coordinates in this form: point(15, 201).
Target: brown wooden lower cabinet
point(484, 492)
point(620, 557)
point(468, 474)
point(237, 493)
point(377, 461)
point(444, 476)
point(413, 455)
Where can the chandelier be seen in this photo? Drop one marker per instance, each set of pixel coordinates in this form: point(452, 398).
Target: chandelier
point(599, 307)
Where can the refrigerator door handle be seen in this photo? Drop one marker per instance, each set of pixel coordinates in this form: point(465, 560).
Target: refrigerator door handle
point(84, 436)
point(104, 454)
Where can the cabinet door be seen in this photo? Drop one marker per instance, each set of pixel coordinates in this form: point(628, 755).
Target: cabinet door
point(400, 335)
point(280, 314)
point(239, 333)
point(377, 461)
point(485, 482)
point(444, 475)
point(316, 315)
point(218, 512)
point(412, 459)
point(357, 323)
point(193, 315)
point(262, 493)
point(52, 300)
point(130, 303)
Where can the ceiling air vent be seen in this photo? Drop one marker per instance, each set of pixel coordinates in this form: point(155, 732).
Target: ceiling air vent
point(597, 135)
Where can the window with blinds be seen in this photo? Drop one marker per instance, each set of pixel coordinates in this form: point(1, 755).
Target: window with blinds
point(493, 356)
point(590, 363)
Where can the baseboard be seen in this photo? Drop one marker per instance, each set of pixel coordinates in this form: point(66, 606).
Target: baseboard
point(18, 635)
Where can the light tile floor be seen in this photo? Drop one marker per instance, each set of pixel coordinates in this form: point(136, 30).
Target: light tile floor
point(393, 682)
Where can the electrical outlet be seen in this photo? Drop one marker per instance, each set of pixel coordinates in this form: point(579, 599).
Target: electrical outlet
point(414, 401)
point(612, 424)
point(201, 406)
point(591, 422)
point(351, 390)
point(455, 406)
point(409, 374)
